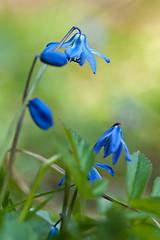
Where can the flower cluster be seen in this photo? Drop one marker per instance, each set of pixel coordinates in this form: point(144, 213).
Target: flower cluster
point(77, 50)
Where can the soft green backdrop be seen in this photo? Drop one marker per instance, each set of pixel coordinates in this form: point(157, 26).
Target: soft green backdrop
point(127, 90)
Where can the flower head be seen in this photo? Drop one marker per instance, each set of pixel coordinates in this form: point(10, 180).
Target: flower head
point(40, 113)
point(77, 50)
point(94, 174)
point(112, 141)
point(53, 232)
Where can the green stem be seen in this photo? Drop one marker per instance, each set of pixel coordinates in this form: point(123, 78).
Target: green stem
point(65, 201)
point(105, 196)
point(28, 203)
point(15, 140)
point(71, 206)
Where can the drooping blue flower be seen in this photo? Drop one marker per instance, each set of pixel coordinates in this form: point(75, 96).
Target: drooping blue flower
point(53, 232)
point(77, 50)
point(112, 141)
point(94, 174)
point(50, 57)
point(40, 113)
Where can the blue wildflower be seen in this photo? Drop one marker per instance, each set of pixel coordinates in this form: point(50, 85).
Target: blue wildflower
point(40, 113)
point(94, 174)
point(112, 141)
point(53, 232)
point(77, 50)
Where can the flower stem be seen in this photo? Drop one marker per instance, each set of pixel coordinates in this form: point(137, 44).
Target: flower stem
point(105, 196)
point(28, 203)
point(15, 140)
point(65, 200)
point(71, 206)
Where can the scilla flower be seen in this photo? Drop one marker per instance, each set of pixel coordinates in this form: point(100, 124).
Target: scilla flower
point(112, 141)
point(40, 113)
point(53, 232)
point(77, 50)
point(94, 174)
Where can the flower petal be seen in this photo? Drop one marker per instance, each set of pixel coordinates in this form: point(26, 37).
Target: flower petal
point(102, 140)
point(94, 175)
point(62, 181)
point(74, 51)
point(105, 167)
point(128, 157)
point(115, 139)
point(117, 154)
point(65, 44)
point(89, 55)
point(100, 54)
point(57, 59)
point(82, 59)
point(40, 113)
point(106, 150)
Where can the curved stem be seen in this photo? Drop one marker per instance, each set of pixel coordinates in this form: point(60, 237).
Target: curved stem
point(15, 140)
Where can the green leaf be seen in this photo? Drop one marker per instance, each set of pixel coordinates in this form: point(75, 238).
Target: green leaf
point(82, 152)
point(146, 232)
point(35, 228)
point(156, 188)
point(79, 163)
point(15, 230)
point(138, 172)
point(85, 188)
point(148, 205)
point(40, 226)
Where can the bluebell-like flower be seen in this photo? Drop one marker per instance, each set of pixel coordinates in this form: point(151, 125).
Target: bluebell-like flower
point(112, 141)
point(77, 50)
point(40, 113)
point(53, 232)
point(94, 174)
point(50, 57)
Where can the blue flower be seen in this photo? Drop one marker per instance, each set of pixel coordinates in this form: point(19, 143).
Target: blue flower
point(50, 57)
point(40, 113)
point(53, 232)
point(77, 50)
point(112, 141)
point(94, 174)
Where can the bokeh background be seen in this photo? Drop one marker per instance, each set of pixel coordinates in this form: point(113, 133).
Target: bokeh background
point(127, 90)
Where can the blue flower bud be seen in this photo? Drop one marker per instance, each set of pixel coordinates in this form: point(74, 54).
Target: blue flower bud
point(40, 113)
point(50, 57)
point(53, 232)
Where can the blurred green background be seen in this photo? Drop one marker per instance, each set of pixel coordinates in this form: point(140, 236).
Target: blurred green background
point(127, 90)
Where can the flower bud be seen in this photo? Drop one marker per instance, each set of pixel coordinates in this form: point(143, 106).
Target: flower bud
point(40, 113)
point(53, 232)
point(57, 59)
